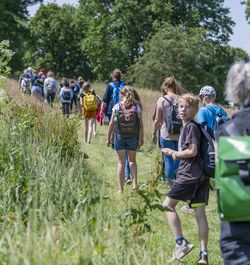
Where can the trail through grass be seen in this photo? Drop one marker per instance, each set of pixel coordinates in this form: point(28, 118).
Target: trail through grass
point(71, 212)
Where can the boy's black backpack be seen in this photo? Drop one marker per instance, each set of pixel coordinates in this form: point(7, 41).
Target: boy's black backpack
point(172, 119)
point(66, 95)
point(207, 150)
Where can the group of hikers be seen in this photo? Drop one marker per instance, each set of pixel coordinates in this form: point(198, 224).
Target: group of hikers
point(189, 137)
point(192, 140)
point(70, 92)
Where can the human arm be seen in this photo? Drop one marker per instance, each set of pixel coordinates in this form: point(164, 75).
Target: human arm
point(103, 106)
point(191, 151)
point(157, 122)
point(141, 131)
point(105, 100)
point(111, 130)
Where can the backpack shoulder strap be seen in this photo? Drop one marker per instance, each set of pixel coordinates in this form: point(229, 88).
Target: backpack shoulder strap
point(171, 104)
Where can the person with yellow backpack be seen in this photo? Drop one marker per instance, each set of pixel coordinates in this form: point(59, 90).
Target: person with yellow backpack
point(89, 102)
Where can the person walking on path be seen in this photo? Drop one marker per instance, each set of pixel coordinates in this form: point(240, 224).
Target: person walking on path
point(89, 103)
point(110, 98)
point(235, 236)
point(65, 96)
point(191, 185)
point(171, 90)
point(126, 132)
point(50, 88)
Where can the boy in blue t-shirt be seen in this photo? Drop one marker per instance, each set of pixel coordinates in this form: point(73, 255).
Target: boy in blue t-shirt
point(210, 114)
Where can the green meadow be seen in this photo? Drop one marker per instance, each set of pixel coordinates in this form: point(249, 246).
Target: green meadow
point(58, 196)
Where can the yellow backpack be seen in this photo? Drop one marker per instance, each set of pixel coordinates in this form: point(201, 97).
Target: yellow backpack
point(90, 102)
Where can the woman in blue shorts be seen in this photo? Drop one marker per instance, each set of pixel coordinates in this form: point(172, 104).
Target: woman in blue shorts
point(126, 132)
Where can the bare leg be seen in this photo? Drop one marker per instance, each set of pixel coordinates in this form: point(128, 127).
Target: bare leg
point(173, 217)
point(90, 129)
point(133, 167)
point(86, 130)
point(121, 168)
point(94, 128)
point(201, 219)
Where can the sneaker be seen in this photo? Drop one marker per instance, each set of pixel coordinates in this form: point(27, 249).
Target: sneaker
point(203, 258)
point(128, 180)
point(187, 209)
point(181, 250)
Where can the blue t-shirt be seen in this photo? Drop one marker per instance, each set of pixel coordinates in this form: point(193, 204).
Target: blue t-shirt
point(108, 97)
point(209, 113)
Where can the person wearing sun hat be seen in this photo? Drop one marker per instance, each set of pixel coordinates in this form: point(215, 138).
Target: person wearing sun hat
point(210, 113)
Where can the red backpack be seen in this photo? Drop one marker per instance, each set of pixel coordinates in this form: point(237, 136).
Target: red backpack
point(127, 121)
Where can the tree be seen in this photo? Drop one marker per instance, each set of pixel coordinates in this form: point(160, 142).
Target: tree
point(220, 64)
point(173, 51)
point(5, 57)
point(117, 29)
point(56, 41)
point(247, 3)
point(13, 26)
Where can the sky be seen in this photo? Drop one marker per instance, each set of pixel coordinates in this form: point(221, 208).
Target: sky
point(241, 31)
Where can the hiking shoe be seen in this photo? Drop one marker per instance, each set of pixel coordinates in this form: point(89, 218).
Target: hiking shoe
point(181, 250)
point(187, 209)
point(128, 180)
point(203, 258)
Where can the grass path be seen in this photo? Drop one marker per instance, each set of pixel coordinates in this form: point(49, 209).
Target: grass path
point(158, 244)
point(118, 230)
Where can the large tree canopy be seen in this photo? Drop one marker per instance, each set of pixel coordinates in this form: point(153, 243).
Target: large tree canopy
point(116, 29)
point(13, 25)
point(56, 40)
point(173, 51)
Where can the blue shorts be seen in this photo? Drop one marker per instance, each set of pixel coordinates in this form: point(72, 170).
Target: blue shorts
point(125, 143)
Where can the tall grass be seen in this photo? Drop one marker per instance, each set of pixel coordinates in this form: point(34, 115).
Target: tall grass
point(57, 207)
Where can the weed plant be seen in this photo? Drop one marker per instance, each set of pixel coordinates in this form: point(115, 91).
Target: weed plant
point(56, 207)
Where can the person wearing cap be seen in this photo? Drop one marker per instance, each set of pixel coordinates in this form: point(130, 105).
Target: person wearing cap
point(208, 114)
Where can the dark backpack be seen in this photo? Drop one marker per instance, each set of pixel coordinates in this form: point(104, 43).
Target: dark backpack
point(66, 95)
point(128, 123)
point(207, 150)
point(172, 119)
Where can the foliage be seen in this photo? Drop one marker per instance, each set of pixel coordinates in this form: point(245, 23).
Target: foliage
point(55, 41)
point(5, 57)
point(116, 31)
point(173, 51)
point(219, 66)
point(13, 26)
point(54, 211)
point(247, 3)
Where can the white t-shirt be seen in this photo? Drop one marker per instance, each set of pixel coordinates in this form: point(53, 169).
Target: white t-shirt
point(116, 108)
